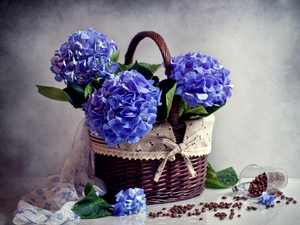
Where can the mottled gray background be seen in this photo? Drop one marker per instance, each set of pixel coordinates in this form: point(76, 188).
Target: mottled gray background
point(257, 40)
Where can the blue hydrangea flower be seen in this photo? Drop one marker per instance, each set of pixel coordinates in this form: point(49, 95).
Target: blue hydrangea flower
point(84, 57)
point(201, 79)
point(267, 199)
point(124, 108)
point(129, 202)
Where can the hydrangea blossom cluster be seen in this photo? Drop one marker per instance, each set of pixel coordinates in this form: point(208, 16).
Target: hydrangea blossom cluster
point(84, 57)
point(267, 199)
point(124, 108)
point(201, 79)
point(130, 202)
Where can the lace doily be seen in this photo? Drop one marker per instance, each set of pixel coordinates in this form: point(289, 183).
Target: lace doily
point(160, 141)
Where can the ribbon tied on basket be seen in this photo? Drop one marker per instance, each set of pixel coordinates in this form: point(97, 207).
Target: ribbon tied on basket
point(181, 148)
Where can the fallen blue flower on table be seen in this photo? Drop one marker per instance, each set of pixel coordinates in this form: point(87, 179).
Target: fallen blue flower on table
point(129, 202)
point(267, 199)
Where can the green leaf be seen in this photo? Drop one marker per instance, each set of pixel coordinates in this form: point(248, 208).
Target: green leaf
point(115, 56)
point(53, 93)
point(89, 89)
point(122, 67)
point(168, 87)
point(76, 93)
point(92, 86)
point(199, 110)
point(213, 109)
point(76, 99)
point(186, 112)
point(142, 70)
point(92, 206)
point(222, 179)
point(88, 188)
point(156, 80)
point(227, 177)
point(76, 87)
point(153, 68)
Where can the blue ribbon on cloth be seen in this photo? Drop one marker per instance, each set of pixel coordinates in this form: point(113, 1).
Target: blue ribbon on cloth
point(53, 204)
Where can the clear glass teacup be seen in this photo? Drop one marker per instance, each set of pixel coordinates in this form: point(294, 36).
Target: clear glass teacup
point(255, 179)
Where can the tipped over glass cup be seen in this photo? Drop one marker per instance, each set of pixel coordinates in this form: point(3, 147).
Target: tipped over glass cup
point(255, 179)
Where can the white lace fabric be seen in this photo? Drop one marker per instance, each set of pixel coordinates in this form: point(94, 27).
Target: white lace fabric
point(160, 141)
point(53, 203)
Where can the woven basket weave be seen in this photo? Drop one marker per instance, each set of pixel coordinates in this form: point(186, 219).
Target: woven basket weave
point(175, 183)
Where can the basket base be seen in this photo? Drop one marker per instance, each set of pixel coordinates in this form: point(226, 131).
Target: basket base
point(175, 184)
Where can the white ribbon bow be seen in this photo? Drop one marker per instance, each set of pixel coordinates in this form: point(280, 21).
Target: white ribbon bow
point(183, 149)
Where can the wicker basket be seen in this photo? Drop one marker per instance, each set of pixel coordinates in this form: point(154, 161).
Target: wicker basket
point(176, 182)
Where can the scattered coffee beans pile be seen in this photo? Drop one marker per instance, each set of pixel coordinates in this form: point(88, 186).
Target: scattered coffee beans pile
point(260, 183)
point(191, 210)
point(287, 199)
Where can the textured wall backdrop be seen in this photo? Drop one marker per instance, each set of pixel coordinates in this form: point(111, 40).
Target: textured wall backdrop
point(257, 40)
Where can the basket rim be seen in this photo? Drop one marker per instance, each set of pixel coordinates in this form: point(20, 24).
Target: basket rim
point(140, 151)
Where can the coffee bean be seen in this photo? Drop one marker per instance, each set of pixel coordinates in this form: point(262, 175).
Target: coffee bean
point(260, 183)
point(174, 215)
point(224, 197)
point(257, 186)
point(238, 198)
point(177, 211)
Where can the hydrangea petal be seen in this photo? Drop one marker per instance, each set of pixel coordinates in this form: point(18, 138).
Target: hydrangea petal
point(135, 202)
point(196, 75)
point(81, 59)
point(190, 98)
point(123, 113)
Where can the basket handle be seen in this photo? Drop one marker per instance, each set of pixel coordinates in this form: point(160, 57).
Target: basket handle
point(160, 42)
